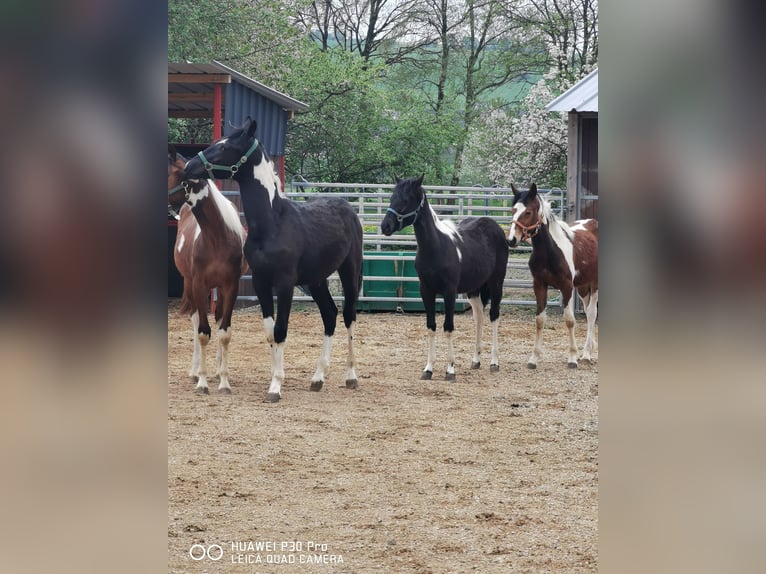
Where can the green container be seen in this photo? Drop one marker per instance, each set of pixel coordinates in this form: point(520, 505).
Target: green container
point(398, 267)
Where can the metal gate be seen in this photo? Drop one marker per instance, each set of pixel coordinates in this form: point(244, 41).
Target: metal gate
point(370, 202)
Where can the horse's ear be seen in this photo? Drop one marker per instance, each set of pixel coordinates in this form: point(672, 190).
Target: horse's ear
point(532, 190)
point(250, 125)
point(172, 152)
point(397, 179)
point(516, 192)
point(419, 181)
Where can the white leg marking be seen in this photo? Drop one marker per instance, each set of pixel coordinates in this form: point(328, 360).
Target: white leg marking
point(194, 370)
point(493, 357)
point(537, 350)
point(277, 368)
point(203, 341)
point(450, 354)
point(590, 338)
point(268, 327)
point(181, 241)
point(569, 319)
point(351, 362)
point(224, 337)
point(478, 318)
point(431, 350)
point(323, 362)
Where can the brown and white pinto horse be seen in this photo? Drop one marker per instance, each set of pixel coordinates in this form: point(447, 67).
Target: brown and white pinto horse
point(208, 254)
point(563, 257)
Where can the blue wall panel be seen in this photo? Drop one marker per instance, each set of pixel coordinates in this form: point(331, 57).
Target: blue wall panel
point(271, 119)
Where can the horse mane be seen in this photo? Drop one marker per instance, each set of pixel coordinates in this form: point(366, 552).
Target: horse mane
point(226, 208)
point(446, 226)
point(552, 220)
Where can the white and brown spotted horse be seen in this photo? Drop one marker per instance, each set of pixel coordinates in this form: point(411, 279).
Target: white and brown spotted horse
point(288, 244)
point(563, 257)
point(208, 254)
point(470, 258)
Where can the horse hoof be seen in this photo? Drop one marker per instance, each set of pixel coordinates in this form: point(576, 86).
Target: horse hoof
point(494, 368)
point(224, 391)
point(272, 398)
point(449, 377)
point(202, 391)
point(531, 365)
point(475, 365)
point(572, 365)
point(426, 376)
point(316, 386)
point(351, 384)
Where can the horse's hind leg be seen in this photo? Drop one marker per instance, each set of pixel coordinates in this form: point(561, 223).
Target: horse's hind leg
point(329, 311)
point(494, 318)
point(351, 280)
point(590, 301)
point(567, 299)
point(477, 308)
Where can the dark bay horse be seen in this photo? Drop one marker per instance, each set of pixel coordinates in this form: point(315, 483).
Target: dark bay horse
point(288, 244)
point(563, 257)
point(468, 258)
point(208, 254)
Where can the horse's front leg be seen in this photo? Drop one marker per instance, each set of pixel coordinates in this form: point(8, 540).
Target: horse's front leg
point(202, 334)
point(284, 303)
point(429, 302)
point(541, 297)
point(449, 327)
point(226, 304)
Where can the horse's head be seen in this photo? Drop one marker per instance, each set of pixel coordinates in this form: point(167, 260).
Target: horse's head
point(224, 157)
point(407, 200)
point(527, 215)
point(176, 164)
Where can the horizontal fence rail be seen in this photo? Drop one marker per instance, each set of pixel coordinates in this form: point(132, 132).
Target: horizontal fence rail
point(370, 201)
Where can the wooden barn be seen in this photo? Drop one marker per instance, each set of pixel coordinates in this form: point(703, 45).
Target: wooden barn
point(213, 90)
point(581, 103)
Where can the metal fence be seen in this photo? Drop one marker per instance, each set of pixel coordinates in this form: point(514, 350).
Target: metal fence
point(455, 203)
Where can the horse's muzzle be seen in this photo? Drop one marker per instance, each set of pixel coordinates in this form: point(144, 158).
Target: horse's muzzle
point(511, 241)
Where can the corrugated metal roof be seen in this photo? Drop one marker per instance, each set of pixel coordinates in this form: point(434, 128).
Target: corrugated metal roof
point(582, 97)
point(214, 67)
point(243, 97)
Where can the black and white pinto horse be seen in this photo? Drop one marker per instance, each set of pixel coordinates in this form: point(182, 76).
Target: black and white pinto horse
point(469, 258)
point(563, 257)
point(288, 244)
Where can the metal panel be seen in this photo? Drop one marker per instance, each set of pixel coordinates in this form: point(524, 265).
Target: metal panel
point(270, 118)
point(582, 97)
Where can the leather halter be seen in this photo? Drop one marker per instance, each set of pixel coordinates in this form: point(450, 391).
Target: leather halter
point(401, 217)
point(209, 167)
point(535, 227)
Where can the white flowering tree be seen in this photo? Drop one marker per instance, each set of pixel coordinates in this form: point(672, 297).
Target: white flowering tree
point(521, 145)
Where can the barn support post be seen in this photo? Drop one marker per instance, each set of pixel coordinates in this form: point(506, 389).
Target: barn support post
point(217, 134)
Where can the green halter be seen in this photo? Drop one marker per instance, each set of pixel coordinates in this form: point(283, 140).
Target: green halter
point(233, 168)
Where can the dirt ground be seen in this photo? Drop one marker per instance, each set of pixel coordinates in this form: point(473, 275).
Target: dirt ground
point(497, 472)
